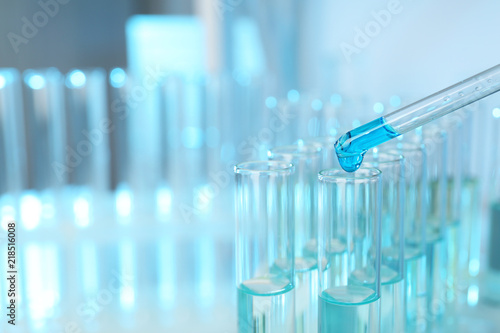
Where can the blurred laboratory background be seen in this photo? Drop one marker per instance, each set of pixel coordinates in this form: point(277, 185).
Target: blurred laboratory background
point(121, 122)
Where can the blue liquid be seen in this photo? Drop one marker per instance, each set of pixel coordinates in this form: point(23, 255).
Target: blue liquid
point(350, 154)
point(353, 309)
point(266, 305)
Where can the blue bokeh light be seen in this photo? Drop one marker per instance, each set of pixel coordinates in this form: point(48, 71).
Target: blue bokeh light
point(378, 107)
point(317, 105)
point(293, 96)
point(117, 77)
point(271, 102)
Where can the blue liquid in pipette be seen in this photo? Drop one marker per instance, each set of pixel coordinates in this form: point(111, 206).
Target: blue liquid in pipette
point(351, 154)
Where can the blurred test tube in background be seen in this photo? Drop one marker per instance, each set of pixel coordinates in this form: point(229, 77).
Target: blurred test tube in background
point(415, 232)
point(12, 159)
point(472, 215)
point(46, 146)
point(435, 141)
point(87, 144)
point(453, 125)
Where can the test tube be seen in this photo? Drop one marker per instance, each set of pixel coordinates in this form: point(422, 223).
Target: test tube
point(182, 144)
point(435, 141)
point(492, 279)
point(392, 240)
point(471, 212)
point(12, 158)
point(454, 174)
point(119, 86)
point(349, 251)
point(47, 167)
point(88, 128)
point(306, 159)
point(265, 247)
point(44, 127)
point(415, 229)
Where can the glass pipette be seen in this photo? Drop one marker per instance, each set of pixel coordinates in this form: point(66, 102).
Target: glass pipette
point(352, 146)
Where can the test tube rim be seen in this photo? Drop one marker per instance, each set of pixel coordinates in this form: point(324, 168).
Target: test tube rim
point(335, 175)
point(276, 167)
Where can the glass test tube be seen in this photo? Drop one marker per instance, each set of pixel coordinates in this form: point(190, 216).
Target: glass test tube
point(306, 159)
point(492, 279)
point(435, 141)
point(12, 158)
point(119, 86)
point(44, 123)
point(265, 247)
point(349, 251)
point(47, 166)
point(87, 142)
point(182, 144)
point(415, 232)
point(471, 213)
point(454, 175)
point(88, 128)
point(392, 239)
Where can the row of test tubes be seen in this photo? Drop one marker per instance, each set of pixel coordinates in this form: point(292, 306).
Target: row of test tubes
point(393, 247)
point(196, 126)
